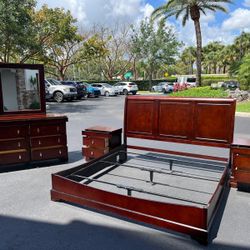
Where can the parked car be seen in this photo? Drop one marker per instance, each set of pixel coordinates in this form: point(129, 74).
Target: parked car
point(168, 88)
point(159, 87)
point(231, 84)
point(126, 87)
point(80, 87)
point(58, 91)
point(91, 91)
point(106, 89)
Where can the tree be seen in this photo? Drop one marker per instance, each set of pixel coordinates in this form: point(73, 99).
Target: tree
point(188, 56)
point(62, 45)
point(191, 9)
point(154, 46)
point(17, 33)
point(244, 73)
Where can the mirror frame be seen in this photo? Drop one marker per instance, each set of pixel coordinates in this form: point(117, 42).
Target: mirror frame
point(40, 69)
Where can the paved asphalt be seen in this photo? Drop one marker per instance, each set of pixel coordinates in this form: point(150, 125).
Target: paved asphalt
point(29, 220)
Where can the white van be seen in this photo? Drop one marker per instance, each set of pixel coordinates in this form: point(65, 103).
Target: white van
point(188, 80)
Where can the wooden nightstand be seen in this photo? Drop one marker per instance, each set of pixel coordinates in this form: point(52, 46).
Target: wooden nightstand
point(99, 140)
point(240, 151)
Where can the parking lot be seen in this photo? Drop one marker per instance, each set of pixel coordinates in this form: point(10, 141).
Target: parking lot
point(29, 220)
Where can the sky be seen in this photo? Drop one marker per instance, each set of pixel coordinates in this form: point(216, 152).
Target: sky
point(219, 26)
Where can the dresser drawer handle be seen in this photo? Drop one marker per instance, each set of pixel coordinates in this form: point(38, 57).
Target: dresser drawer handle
point(60, 152)
point(20, 157)
point(38, 130)
point(57, 128)
point(59, 140)
point(41, 154)
point(18, 131)
point(19, 144)
point(39, 142)
point(92, 142)
point(92, 153)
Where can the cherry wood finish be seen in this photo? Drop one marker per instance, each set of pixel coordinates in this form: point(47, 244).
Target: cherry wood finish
point(240, 162)
point(26, 139)
point(99, 140)
point(208, 122)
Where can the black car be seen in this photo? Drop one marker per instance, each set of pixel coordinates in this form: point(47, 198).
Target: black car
point(231, 85)
point(80, 87)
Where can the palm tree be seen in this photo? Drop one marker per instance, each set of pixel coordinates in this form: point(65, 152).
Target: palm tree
point(193, 9)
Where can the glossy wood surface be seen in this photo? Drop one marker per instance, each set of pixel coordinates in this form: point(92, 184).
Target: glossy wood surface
point(240, 163)
point(27, 138)
point(207, 122)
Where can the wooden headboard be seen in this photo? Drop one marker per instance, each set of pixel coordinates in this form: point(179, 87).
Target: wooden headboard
point(200, 121)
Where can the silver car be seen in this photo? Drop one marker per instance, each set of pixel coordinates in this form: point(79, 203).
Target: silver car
point(106, 89)
point(126, 87)
point(160, 87)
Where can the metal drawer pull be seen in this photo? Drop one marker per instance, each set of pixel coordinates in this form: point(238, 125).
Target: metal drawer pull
point(60, 152)
point(92, 142)
point(18, 131)
point(57, 128)
point(19, 144)
point(41, 155)
point(59, 140)
point(20, 157)
point(38, 130)
point(39, 142)
point(92, 153)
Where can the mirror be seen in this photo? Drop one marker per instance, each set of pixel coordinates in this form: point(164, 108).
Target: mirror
point(20, 89)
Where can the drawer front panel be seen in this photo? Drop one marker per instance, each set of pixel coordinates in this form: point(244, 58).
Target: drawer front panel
point(39, 142)
point(51, 153)
point(49, 129)
point(13, 145)
point(242, 177)
point(242, 162)
point(93, 152)
point(14, 158)
point(13, 132)
point(96, 142)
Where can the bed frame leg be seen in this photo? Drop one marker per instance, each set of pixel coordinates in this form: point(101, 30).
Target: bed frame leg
point(203, 240)
point(54, 196)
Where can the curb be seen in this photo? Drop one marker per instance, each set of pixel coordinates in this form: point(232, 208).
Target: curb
point(242, 114)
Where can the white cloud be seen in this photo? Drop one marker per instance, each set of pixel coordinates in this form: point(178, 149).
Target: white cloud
point(247, 3)
point(238, 20)
point(106, 13)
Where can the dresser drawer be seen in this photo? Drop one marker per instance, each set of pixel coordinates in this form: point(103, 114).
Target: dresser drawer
point(50, 153)
point(48, 141)
point(14, 157)
point(95, 142)
point(47, 129)
point(241, 162)
point(13, 144)
point(242, 177)
point(13, 132)
point(93, 152)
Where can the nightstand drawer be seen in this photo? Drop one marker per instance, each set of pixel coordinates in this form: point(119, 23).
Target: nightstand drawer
point(93, 152)
point(241, 162)
point(14, 157)
point(13, 132)
point(13, 145)
point(49, 129)
point(47, 141)
point(95, 142)
point(50, 153)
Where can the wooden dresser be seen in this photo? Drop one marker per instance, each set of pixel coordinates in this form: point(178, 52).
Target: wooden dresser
point(27, 133)
point(99, 140)
point(31, 138)
point(240, 151)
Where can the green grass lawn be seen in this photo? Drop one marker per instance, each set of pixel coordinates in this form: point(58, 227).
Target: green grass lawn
point(243, 107)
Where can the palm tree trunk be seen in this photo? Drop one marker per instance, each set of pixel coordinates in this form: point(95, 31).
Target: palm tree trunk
point(198, 48)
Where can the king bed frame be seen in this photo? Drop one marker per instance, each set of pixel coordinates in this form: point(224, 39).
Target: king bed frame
point(179, 191)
